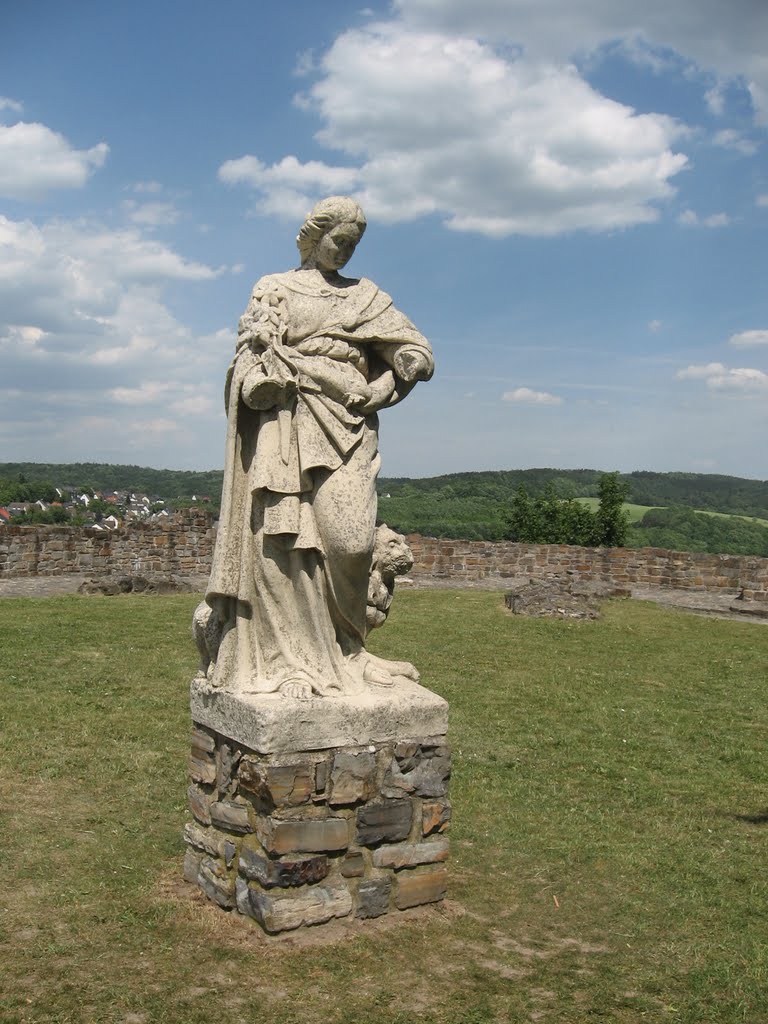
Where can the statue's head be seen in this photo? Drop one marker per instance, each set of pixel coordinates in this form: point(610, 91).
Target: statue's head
point(330, 233)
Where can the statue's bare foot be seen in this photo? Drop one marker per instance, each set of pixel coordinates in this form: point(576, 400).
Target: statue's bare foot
point(372, 671)
point(381, 672)
point(396, 668)
point(296, 689)
point(377, 676)
point(405, 668)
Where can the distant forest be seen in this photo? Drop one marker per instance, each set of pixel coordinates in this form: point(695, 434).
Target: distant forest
point(168, 484)
point(477, 505)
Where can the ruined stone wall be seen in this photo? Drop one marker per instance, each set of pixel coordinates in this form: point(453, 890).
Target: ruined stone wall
point(472, 560)
point(184, 546)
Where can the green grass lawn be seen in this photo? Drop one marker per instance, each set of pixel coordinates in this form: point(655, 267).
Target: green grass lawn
point(608, 842)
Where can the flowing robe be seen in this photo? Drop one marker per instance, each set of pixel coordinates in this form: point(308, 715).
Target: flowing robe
point(293, 552)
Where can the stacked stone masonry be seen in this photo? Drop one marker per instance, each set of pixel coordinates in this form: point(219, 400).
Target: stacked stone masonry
point(473, 560)
point(185, 546)
point(297, 840)
point(182, 547)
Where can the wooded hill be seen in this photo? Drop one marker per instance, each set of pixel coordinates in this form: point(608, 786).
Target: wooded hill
point(168, 484)
point(477, 505)
point(711, 492)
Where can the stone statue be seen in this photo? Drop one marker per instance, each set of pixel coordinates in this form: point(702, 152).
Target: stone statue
point(391, 558)
point(317, 356)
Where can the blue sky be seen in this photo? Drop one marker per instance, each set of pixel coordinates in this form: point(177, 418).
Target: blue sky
point(568, 197)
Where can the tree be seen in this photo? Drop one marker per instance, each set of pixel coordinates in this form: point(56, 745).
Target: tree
point(22, 490)
point(612, 518)
point(547, 519)
point(523, 522)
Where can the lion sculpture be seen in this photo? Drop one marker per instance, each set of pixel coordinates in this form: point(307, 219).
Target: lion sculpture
point(391, 557)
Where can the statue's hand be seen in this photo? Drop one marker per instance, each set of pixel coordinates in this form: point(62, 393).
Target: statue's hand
point(356, 399)
point(412, 365)
point(381, 389)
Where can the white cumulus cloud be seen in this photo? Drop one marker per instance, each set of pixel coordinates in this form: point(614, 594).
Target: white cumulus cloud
point(492, 142)
point(747, 339)
point(719, 377)
point(701, 372)
point(151, 214)
point(86, 336)
point(289, 187)
point(729, 138)
point(691, 219)
point(147, 392)
point(725, 40)
point(153, 187)
point(715, 100)
point(192, 404)
point(61, 275)
point(35, 160)
point(528, 396)
point(152, 428)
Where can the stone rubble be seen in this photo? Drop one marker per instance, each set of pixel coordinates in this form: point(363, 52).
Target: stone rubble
point(560, 597)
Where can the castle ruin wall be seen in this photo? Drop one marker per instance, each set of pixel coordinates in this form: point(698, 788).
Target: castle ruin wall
point(184, 547)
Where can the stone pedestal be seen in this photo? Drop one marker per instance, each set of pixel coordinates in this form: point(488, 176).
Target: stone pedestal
point(306, 811)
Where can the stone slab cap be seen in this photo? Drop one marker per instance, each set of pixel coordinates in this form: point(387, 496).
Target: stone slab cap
point(273, 724)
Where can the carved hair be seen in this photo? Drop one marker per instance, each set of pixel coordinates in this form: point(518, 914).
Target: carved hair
point(327, 214)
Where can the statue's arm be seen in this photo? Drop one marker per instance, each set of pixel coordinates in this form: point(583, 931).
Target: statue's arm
point(402, 366)
point(394, 382)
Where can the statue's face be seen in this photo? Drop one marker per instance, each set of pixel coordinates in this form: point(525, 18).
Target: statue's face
point(335, 248)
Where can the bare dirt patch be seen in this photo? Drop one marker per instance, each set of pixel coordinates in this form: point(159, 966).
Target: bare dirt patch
point(231, 927)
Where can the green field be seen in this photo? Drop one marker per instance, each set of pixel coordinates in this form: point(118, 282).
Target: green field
point(727, 515)
point(636, 512)
point(608, 842)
